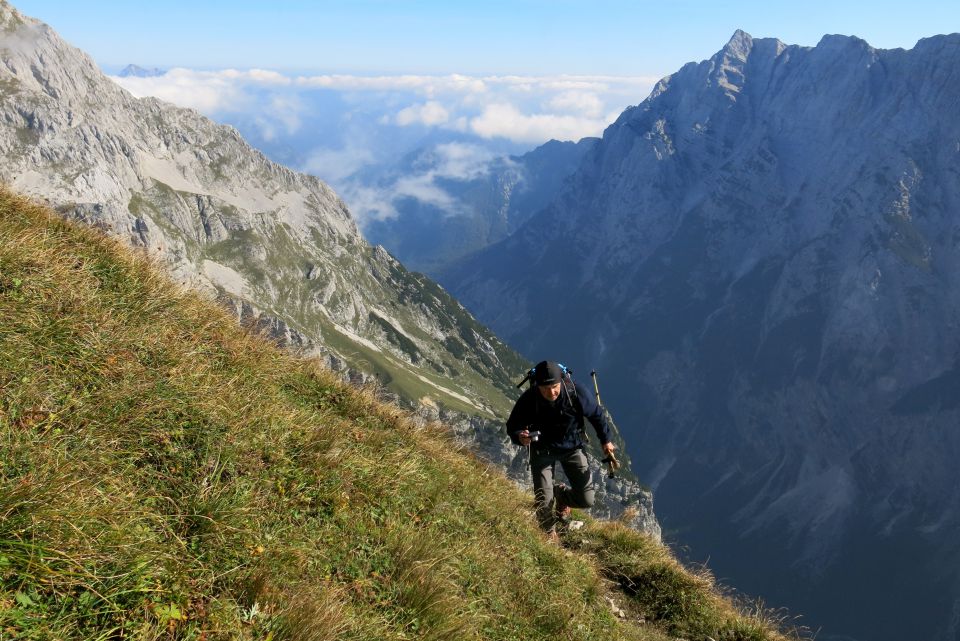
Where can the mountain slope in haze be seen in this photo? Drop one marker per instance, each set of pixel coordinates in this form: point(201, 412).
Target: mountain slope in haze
point(137, 71)
point(278, 247)
point(764, 257)
point(475, 202)
point(166, 475)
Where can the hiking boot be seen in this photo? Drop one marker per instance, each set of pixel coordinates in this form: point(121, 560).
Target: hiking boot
point(561, 510)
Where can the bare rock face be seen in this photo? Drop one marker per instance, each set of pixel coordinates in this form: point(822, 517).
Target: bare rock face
point(764, 256)
point(276, 246)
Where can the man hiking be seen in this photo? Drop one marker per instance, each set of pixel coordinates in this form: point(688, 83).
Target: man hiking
point(556, 406)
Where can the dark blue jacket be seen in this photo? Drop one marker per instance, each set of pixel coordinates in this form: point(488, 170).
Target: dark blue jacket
point(560, 422)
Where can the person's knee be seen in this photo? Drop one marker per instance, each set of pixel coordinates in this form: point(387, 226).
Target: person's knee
point(583, 487)
point(588, 498)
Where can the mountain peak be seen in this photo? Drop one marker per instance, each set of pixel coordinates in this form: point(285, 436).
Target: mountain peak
point(739, 45)
point(839, 41)
point(140, 72)
point(12, 22)
point(742, 44)
point(39, 60)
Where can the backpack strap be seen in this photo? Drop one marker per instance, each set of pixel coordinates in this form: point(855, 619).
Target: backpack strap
point(571, 390)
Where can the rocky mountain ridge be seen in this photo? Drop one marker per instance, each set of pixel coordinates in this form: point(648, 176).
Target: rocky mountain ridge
point(763, 256)
point(277, 246)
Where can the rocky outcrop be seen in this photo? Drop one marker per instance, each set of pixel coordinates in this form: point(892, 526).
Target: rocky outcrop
point(763, 258)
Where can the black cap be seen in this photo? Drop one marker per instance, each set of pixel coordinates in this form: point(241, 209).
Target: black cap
point(547, 373)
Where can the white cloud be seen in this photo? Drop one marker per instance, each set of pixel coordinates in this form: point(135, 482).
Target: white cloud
point(430, 113)
point(506, 121)
point(259, 94)
point(368, 204)
point(461, 161)
point(429, 86)
point(335, 165)
point(207, 92)
point(528, 109)
point(581, 83)
point(423, 188)
point(282, 118)
point(265, 77)
point(460, 84)
point(585, 103)
point(450, 161)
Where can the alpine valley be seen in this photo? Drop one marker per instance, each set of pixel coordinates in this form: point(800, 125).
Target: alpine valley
point(278, 247)
point(483, 200)
point(763, 257)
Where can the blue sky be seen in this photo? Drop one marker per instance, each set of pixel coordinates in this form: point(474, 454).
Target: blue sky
point(619, 37)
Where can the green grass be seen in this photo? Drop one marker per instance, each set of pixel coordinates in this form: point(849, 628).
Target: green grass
point(685, 603)
point(165, 475)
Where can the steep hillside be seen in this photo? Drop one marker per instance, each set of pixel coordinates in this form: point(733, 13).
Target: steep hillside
point(763, 255)
point(164, 475)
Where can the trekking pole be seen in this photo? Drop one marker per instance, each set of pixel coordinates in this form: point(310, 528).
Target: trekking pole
point(593, 375)
point(612, 463)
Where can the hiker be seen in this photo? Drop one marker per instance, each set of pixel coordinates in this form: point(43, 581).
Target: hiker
point(556, 406)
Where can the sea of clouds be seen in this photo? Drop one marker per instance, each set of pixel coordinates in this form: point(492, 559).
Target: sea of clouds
point(356, 132)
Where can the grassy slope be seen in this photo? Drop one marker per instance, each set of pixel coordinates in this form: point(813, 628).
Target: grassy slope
point(165, 475)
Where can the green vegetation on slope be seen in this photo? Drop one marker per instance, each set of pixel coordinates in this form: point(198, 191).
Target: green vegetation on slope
point(165, 475)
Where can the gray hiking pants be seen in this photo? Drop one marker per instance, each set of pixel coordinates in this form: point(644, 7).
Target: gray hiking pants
point(580, 495)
